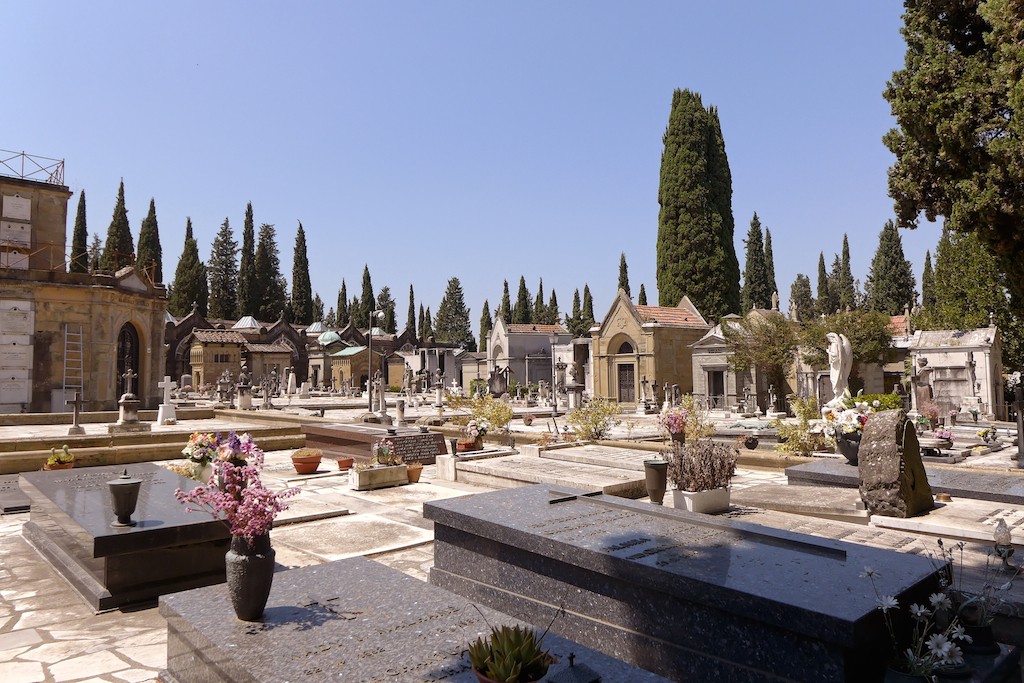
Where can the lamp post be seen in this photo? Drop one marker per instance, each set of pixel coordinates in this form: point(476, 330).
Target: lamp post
point(374, 315)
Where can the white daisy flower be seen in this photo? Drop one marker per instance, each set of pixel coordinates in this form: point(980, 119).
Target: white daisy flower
point(920, 612)
point(887, 602)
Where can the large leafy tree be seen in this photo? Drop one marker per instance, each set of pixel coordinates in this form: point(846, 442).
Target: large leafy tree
point(624, 274)
point(386, 303)
point(868, 332)
point(452, 321)
point(757, 293)
point(119, 250)
point(800, 296)
point(890, 283)
point(695, 253)
point(959, 144)
point(928, 283)
point(190, 286)
point(522, 313)
point(248, 285)
point(80, 240)
point(485, 325)
point(222, 270)
point(151, 257)
point(302, 290)
point(769, 261)
point(767, 343)
point(343, 310)
point(272, 287)
point(361, 314)
point(410, 318)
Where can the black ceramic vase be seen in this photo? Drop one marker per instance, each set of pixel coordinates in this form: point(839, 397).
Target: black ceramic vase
point(250, 573)
point(849, 446)
point(656, 479)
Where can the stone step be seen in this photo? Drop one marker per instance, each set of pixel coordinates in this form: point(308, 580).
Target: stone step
point(601, 456)
point(520, 470)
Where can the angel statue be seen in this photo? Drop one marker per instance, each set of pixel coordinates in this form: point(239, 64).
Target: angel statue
point(840, 360)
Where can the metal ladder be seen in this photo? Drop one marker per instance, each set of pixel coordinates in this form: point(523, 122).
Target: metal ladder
point(74, 360)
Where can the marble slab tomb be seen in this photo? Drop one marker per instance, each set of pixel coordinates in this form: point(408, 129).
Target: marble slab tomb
point(356, 441)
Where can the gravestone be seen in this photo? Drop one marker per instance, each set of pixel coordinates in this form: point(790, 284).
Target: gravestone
point(168, 550)
point(688, 596)
point(187, 383)
point(128, 413)
point(76, 406)
point(304, 390)
point(356, 441)
point(167, 410)
point(893, 481)
point(351, 621)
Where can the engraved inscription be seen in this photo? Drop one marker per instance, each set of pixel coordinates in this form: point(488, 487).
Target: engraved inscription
point(419, 447)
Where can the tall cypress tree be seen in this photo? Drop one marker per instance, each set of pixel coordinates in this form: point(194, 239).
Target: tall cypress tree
point(756, 292)
point(823, 293)
point(694, 252)
point(540, 314)
point(624, 274)
point(248, 293)
point(331, 319)
point(890, 283)
point(800, 296)
point(95, 253)
point(190, 285)
point(588, 310)
point(302, 290)
point(428, 325)
point(847, 294)
point(273, 289)
point(451, 324)
point(552, 314)
point(928, 284)
point(119, 250)
point(386, 303)
point(410, 318)
point(222, 270)
point(769, 261)
point(361, 317)
point(344, 314)
point(505, 309)
point(151, 256)
point(485, 325)
point(641, 298)
point(575, 318)
point(835, 279)
point(318, 308)
point(421, 327)
point(80, 240)
point(522, 313)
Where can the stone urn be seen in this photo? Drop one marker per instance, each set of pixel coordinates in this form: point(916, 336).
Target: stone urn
point(848, 445)
point(250, 574)
point(656, 479)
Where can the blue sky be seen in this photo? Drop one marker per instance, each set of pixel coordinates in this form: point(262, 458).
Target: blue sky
point(478, 140)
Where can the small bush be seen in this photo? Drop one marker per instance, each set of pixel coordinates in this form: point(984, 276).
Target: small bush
point(701, 465)
point(593, 420)
point(885, 401)
point(798, 438)
point(308, 453)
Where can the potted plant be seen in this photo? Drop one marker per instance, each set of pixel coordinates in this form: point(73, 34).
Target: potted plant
point(528, 419)
point(673, 421)
point(952, 417)
point(846, 425)
point(475, 430)
point(930, 410)
point(988, 435)
point(413, 470)
point(384, 469)
point(200, 452)
point(60, 459)
point(307, 460)
point(701, 471)
point(511, 654)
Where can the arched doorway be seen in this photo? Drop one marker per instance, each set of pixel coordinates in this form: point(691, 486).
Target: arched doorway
point(127, 357)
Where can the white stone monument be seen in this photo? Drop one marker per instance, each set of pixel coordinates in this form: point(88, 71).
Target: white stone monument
point(167, 410)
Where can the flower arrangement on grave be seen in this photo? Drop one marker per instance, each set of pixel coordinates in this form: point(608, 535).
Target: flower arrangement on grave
point(988, 435)
point(943, 434)
point(921, 422)
point(477, 428)
point(972, 608)
point(953, 414)
point(929, 647)
point(201, 448)
point(60, 457)
point(673, 420)
point(701, 465)
point(974, 413)
point(849, 420)
point(384, 454)
point(930, 410)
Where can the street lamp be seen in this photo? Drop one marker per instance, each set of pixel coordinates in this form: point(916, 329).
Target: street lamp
point(374, 315)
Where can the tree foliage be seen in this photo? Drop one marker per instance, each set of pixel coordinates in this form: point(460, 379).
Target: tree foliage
point(890, 283)
point(95, 253)
point(574, 320)
point(765, 342)
point(641, 297)
point(119, 250)
point(80, 240)
point(271, 288)
point(695, 253)
point(587, 321)
point(800, 295)
point(825, 301)
point(343, 312)
point(222, 270)
point(318, 308)
point(386, 303)
point(928, 283)
point(302, 290)
point(361, 315)
point(485, 325)
point(428, 326)
point(190, 285)
point(248, 287)
point(522, 313)
point(868, 332)
point(757, 293)
point(539, 310)
point(505, 308)
point(847, 292)
point(452, 321)
point(624, 274)
point(769, 262)
point(151, 256)
point(410, 318)
point(959, 144)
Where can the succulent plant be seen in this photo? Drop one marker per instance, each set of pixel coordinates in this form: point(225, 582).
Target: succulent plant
point(512, 654)
point(61, 457)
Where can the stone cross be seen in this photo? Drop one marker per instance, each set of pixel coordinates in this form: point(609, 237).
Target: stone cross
point(76, 406)
point(168, 386)
point(643, 388)
point(128, 376)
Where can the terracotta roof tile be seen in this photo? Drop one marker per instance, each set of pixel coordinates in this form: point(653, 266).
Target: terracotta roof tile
point(521, 328)
point(276, 347)
point(219, 336)
point(897, 325)
point(669, 316)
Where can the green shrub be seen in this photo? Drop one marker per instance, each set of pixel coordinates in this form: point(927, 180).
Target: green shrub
point(798, 438)
point(593, 420)
point(885, 401)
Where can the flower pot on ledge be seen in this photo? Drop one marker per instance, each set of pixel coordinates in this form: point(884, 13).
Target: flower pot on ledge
point(708, 502)
point(378, 477)
point(472, 445)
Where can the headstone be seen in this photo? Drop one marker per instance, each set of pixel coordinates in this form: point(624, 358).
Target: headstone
point(351, 620)
point(76, 405)
point(168, 549)
point(187, 383)
point(291, 382)
point(304, 390)
point(167, 410)
point(893, 481)
point(687, 596)
point(128, 412)
point(356, 441)
point(400, 410)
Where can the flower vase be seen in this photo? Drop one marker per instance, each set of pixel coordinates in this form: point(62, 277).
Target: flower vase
point(478, 443)
point(656, 479)
point(203, 473)
point(678, 437)
point(849, 446)
point(894, 676)
point(250, 574)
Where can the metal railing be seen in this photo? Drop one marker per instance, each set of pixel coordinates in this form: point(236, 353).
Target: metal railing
point(31, 167)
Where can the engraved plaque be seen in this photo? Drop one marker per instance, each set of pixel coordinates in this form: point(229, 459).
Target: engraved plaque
point(19, 208)
point(16, 234)
point(15, 356)
point(16, 320)
point(14, 260)
point(13, 390)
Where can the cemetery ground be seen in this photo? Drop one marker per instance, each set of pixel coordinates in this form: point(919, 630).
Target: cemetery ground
point(49, 633)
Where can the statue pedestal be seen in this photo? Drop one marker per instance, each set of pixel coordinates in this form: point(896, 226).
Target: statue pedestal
point(575, 392)
point(166, 412)
point(244, 396)
point(128, 417)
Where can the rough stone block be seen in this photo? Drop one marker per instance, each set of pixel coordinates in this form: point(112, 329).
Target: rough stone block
point(893, 481)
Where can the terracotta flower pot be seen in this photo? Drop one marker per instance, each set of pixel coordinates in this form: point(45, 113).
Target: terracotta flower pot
point(345, 463)
point(58, 466)
point(306, 464)
point(466, 446)
point(414, 470)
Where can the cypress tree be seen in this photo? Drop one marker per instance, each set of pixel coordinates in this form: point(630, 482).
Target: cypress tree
point(361, 317)
point(386, 303)
point(302, 289)
point(451, 324)
point(95, 253)
point(553, 315)
point(119, 250)
point(756, 292)
point(587, 320)
point(928, 284)
point(421, 328)
point(835, 278)
point(540, 314)
point(428, 325)
point(318, 308)
point(624, 275)
point(574, 319)
point(151, 256)
point(223, 273)
point(505, 309)
point(847, 293)
point(190, 285)
point(353, 306)
point(522, 313)
point(695, 194)
point(80, 240)
point(485, 325)
point(769, 261)
point(248, 285)
point(890, 283)
point(343, 311)
point(410, 319)
point(331, 319)
point(641, 298)
point(273, 290)
point(823, 295)
point(800, 296)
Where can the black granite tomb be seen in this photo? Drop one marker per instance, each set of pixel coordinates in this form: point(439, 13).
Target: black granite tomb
point(168, 549)
point(688, 596)
point(350, 621)
point(356, 441)
point(11, 498)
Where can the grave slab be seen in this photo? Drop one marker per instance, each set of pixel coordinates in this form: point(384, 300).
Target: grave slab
point(352, 621)
point(962, 519)
point(515, 470)
point(356, 441)
point(828, 502)
point(601, 456)
point(688, 596)
point(168, 550)
point(11, 498)
point(349, 536)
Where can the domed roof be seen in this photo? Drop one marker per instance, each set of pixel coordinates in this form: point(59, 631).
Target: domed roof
point(316, 328)
point(328, 338)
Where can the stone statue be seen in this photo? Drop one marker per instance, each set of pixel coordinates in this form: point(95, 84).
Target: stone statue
point(243, 376)
point(775, 301)
point(840, 361)
point(574, 373)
